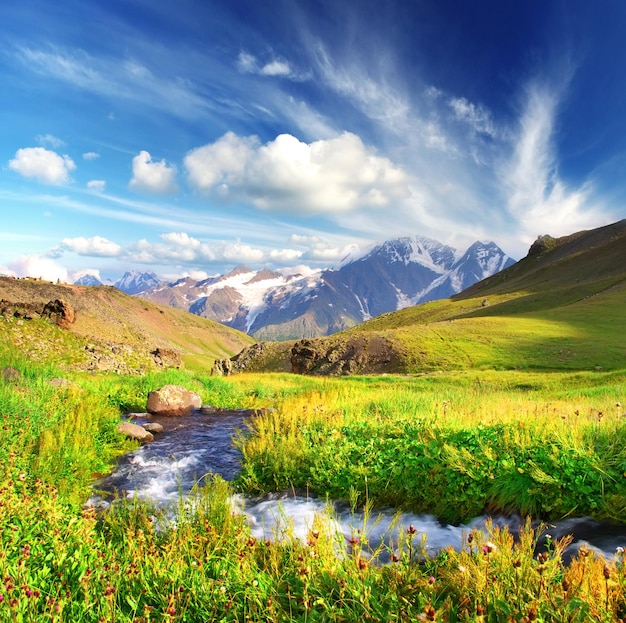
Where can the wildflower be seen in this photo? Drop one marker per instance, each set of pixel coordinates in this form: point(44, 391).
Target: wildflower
point(411, 530)
point(619, 550)
point(462, 569)
point(431, 580)
point(255, 582)
point(488, 547)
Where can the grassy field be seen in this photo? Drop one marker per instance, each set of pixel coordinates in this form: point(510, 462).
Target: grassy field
point(549, 444)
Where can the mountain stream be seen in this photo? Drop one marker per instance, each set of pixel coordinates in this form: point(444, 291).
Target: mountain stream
point(191, 447)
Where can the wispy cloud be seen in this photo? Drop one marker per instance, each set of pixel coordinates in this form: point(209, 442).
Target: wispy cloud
point(274, 67)
point(537, 197)
point(115, 78)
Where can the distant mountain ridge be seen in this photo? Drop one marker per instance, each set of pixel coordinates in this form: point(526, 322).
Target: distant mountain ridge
point(273, 305)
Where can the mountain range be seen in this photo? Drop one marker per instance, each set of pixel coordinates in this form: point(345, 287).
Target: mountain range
point(276, 305)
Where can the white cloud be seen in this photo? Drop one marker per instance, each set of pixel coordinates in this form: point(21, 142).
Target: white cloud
point(536, 196)
point(96, 246)
point(152, 177)
point(115, 78)
point(477, 117)
point(38, 266)
point(249, 64)
point(276, 68)
point(237, 252)
point(220, 164)
point(94, 272)
point(97, 185)
point(50, 140)
point(42, 164)
point(176, 247)
point(320, 249)
point(91, 155)
point(335, 175)
point(285, 255)
point(181, 247)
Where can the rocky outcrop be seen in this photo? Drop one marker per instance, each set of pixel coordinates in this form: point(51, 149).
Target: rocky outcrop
point(57, 311)
point(304, 356)
point(173, 400)
point(354, 355)
point(134, 431)
point(167, 358)
point(222, 367)
point(542, 245)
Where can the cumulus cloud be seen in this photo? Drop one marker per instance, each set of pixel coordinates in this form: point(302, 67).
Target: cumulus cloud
point(276, 68)
point(152, 177)
point(44, 165)
point(285, 255)
point(183, 248)
point(286, 175)
point(91, 155)
point(237, 252)
point(96, 246)
point(39, 267)
point(176, 247)
point(97, 185)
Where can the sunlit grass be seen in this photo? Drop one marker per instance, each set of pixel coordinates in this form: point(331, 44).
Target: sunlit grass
point(61, 563)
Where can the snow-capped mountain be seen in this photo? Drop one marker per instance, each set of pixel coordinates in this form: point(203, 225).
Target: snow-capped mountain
point(387, 277)
point(134, 282)
point(88, 280)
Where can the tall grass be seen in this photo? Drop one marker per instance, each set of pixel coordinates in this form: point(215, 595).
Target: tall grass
point(543, 445)
point(61, 563)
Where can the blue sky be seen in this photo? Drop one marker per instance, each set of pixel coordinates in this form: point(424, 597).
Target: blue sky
point(188, 137)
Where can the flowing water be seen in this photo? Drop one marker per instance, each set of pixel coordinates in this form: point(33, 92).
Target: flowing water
point(191, 447)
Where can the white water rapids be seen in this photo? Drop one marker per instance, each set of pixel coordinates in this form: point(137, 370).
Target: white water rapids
point(191, 447)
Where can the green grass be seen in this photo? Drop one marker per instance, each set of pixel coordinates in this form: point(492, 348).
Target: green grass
point(456, 445)
point(61, 563)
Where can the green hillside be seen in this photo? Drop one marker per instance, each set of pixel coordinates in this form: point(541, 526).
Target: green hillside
point(561, 307)
point(103, 329)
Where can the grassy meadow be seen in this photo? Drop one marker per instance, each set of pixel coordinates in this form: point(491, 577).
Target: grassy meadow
point(455, 444)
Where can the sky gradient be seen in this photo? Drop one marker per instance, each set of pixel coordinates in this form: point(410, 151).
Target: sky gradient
point(185, 138)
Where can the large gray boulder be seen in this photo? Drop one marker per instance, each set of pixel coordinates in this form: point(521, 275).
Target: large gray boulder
point(173, 400)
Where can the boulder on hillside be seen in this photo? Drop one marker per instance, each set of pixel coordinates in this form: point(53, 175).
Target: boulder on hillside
point(222, 367)
point(134, 431)
point(59, 312)
point(173, 400)
point(11, 375)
